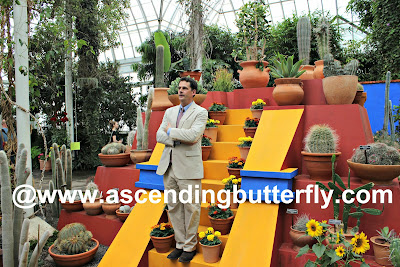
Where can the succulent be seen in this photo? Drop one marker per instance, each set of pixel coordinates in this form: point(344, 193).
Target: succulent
point(387, 235)
point(142, 133)
point(113, 149)
point(379, 154)
point(360, 87)
point(321, 139)
point(173, 88)
point(334, 67)
point(125, 209)
point(395, 252)
point(301, 221)
point(304, 39)
point(283, 67)
point(73, 239)
point(323, 36)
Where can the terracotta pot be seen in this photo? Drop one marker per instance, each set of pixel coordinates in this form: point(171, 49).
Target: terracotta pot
point(93, 208)
point(244, 151)
point(300, 239)
point(138, 156)
point(340, 90)
point(233, 205)
point(74, 260)
point(110, 209)
point(319, 69)
point(46, 167)
point(379, 174)
point(162, 244)
point(211, 253)
point(288, 91)
point(319, 165)
point(199, 98)
point(160, 99)
point(212, 133)
point(256, 113)
point(218, 115)
point(348, 237)
point(363, 99)
point(174, 99)
point(357, 98)
point(309, 74)
point(193, 74)
point(234, 171)
point(252, 77)
point(222, 225)
point(381, 251)
point(72, 207)
point(117, 160)
point(205, 152)
point(250, 131)
point(122, 216)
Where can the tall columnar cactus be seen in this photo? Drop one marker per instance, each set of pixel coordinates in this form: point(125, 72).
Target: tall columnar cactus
point(321, 139)
point(159, 81)
point(387, 107)
point(304, 39)
point(395, 252)
point(322, 34)
point(142, 133)
point(73, 239)
point(15, 243)
point(337, 197)
point(379, 154)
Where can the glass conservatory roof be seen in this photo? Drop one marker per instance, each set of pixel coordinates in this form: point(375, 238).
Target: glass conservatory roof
point(146, 16)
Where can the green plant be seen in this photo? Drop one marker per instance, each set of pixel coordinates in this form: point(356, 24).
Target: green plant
point(209, 237)
point(304, 39)
point(387, 235)
point(388, 118)
point(360, 87)
point(162, 230)
point(174, 87)
point(347, 207)
point(113, 149)
point(206, 141)
point(217, 107)
point(15, 229)
point(73, 239)
point(379, 154)
point(283, 67)
point(223, 81)
point(159, 80)
point(142, 132)
point(231, 181)
point(301, 222)
point(245, 141)
point(92, 187)
point(395, 252)
point(251, 122)
point(334, 67)
point(322, 34)
point(321, 139)
point(258, 104)
point(216, 212)
point(236, 163)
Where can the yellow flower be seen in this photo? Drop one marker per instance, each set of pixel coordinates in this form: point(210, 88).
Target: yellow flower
point(224, 181)
point(240, 180)
point(235, 181)
point(216, 121)
point(338, 238)
point(232, 176)
point(217, 233)
point(210, 237)
point(202, 234)
point(240, 163)
point(360, 243)
point(313, 228)
point(340, 251)
point(241, 139)
point(162, 228)
point(210, 229)
point(254, 103)
point(324, 222)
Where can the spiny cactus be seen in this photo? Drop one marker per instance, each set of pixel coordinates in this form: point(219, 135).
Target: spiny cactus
point(334, 67)
point(301, 221)
point(321, 139)
point(388, 118)
point(15, 243)
point(379, 154)
point(92, 187)
point(159, 80)
point(360, 87)
point(304, 39)
point(395, 252)
point(73, 239)
point(125, 209)
point(323, 37)
point(113, 148)
point(142, 132)
point(131, 137)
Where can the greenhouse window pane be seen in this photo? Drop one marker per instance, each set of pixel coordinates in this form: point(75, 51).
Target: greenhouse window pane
point(302, 7)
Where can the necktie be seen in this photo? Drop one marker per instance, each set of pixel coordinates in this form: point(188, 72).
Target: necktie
point(181, 110)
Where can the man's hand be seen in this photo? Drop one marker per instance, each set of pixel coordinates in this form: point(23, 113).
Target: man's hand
point(168, 126)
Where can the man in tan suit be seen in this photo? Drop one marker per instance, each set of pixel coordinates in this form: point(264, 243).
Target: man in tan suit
point(181, 164)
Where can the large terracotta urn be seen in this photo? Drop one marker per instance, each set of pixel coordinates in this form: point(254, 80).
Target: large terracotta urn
point(319, 69)
point(193, 74)
point(252, 77)
point(160, 100)
point(340, 90)
point(288, 91)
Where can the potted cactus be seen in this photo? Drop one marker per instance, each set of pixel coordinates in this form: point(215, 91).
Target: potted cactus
point(113, 155)
point(340, 83)
point(379, 164)
point(322, 35)
point(142, 152)
point(95, 207)
point(381, 245)
point(361, 96)
point(74, 246)
point(123, 212)
point(298, 233)
point(320, 144)
point(304, 47)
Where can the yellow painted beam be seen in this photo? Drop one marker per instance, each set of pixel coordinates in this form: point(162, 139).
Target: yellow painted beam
point(251, 239)
point(156, 155)
point(131, 241)
point(272, 140)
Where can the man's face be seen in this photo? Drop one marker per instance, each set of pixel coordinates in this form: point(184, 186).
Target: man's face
point(185, 92)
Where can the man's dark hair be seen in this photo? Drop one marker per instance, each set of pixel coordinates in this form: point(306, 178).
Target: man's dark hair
point(193, 83)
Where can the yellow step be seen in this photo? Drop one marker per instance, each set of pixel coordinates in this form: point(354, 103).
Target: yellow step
point(215, 169)
point(230, 133)
point(160, 260)
point(223, 238)
point(204, 220)
point(224, 150)
point(237, 116)
point(214, 185)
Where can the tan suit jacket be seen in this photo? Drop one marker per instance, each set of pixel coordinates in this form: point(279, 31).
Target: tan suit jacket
point(186, 159)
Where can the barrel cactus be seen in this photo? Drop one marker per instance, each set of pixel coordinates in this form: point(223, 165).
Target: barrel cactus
point(73, 239)
point(321, 139)
point(395, 252)
point(125, 209)
point(379, 154)
point(113, 149)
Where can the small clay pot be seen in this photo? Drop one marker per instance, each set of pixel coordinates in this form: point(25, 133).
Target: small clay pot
point(93, 209)
point(110, 209)
point(300, 239)
point(205, 152)
point(233, 205)
point(162, 244)
point(138, 156)
point(309, 74)
point(72, 207)
point(222, 225)
point(244, 152)
point(218, 115)
point(117, 160)
point(47, 166)
point(319, 69)
point(250, 131)
point(122, 216)
point(256, 113)
point(234, 171)
point(193, 74)
point(381, 251)
point(212, 133)
point(319, 165)
point(211, 253)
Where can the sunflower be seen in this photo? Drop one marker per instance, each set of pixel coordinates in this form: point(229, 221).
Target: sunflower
point(360, 243)
point(340, 251)
point(313, 228)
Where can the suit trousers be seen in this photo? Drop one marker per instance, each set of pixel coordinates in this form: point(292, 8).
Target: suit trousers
point(185, 217)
